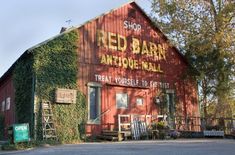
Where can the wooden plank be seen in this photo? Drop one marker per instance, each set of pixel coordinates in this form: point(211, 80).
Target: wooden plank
point(211, 133)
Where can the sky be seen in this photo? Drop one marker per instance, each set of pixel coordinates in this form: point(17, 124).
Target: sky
point(25, 23)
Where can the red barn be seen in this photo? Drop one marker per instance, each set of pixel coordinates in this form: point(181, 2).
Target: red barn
point(127, 67)
point(6, 102)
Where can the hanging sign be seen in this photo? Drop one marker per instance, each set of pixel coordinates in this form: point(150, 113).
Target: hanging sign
point(65, 95)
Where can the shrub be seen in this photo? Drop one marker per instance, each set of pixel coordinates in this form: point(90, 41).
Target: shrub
point(160, 125)
point(154, 126)
point(162, 135)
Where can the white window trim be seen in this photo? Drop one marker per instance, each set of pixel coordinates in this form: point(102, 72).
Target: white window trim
point(3, 105)
point(8, 103)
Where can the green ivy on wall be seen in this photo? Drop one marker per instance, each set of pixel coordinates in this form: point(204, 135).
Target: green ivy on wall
point(23, 84)
point(54, 65)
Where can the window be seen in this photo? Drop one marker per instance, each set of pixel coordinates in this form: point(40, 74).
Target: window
point(8, 103)
point(171, 104)
point(122, 100)
point(3, 105)
point(170, 108)
point(139, 101)
point(132, 13)
point(94, 97)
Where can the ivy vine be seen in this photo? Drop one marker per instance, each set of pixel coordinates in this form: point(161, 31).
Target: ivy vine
point(54, 65)
point(23, 84)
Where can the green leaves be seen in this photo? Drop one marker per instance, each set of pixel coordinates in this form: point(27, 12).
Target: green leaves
point(23, 84)
point(56, 67)
point(51, 65)
point(55, 64)
point(205, 32)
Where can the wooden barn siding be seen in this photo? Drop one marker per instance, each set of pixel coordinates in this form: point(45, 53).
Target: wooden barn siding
point(7, 90)
point(89, 52)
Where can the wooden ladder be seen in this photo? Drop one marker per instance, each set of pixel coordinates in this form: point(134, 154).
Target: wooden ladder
point(48, 125)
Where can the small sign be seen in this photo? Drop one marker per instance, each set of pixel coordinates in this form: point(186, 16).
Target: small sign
point(21, 132)
point(65, 95)
point(122, 100)
point(139, 101)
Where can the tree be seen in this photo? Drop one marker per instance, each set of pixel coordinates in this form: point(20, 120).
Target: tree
point(204, 30)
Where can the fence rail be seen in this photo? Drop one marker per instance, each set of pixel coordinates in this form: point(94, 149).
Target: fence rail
point(191, 124)
point(201, 124)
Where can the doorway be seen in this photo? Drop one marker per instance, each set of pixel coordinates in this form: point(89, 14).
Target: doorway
point(125, 101)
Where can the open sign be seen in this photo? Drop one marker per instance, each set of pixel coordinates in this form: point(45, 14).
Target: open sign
point(21, 133)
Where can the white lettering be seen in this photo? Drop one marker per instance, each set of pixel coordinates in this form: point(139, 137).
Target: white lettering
point(155, 84)
point(103, 78)
point(17, 128)
point(125, 24)
point(144, 83)
point(131, 25)
point(131, 82)
point(126, 81)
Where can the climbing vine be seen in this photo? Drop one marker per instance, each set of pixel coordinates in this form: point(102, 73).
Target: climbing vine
point(53, 65)
point(23, 83)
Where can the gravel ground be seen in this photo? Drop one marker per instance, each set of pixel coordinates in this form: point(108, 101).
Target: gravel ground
point(165, 147)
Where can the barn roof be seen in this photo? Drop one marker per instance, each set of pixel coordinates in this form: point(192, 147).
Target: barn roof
point(133, 3)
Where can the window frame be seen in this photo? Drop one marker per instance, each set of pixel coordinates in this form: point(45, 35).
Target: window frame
point(98, 86)
point(126, 100)
point(141, 99)
point(3, 105)
point(8, 103)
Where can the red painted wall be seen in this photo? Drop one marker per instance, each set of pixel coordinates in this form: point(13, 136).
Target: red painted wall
point(91, 68)
point(146, 82)
point(7, 90)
